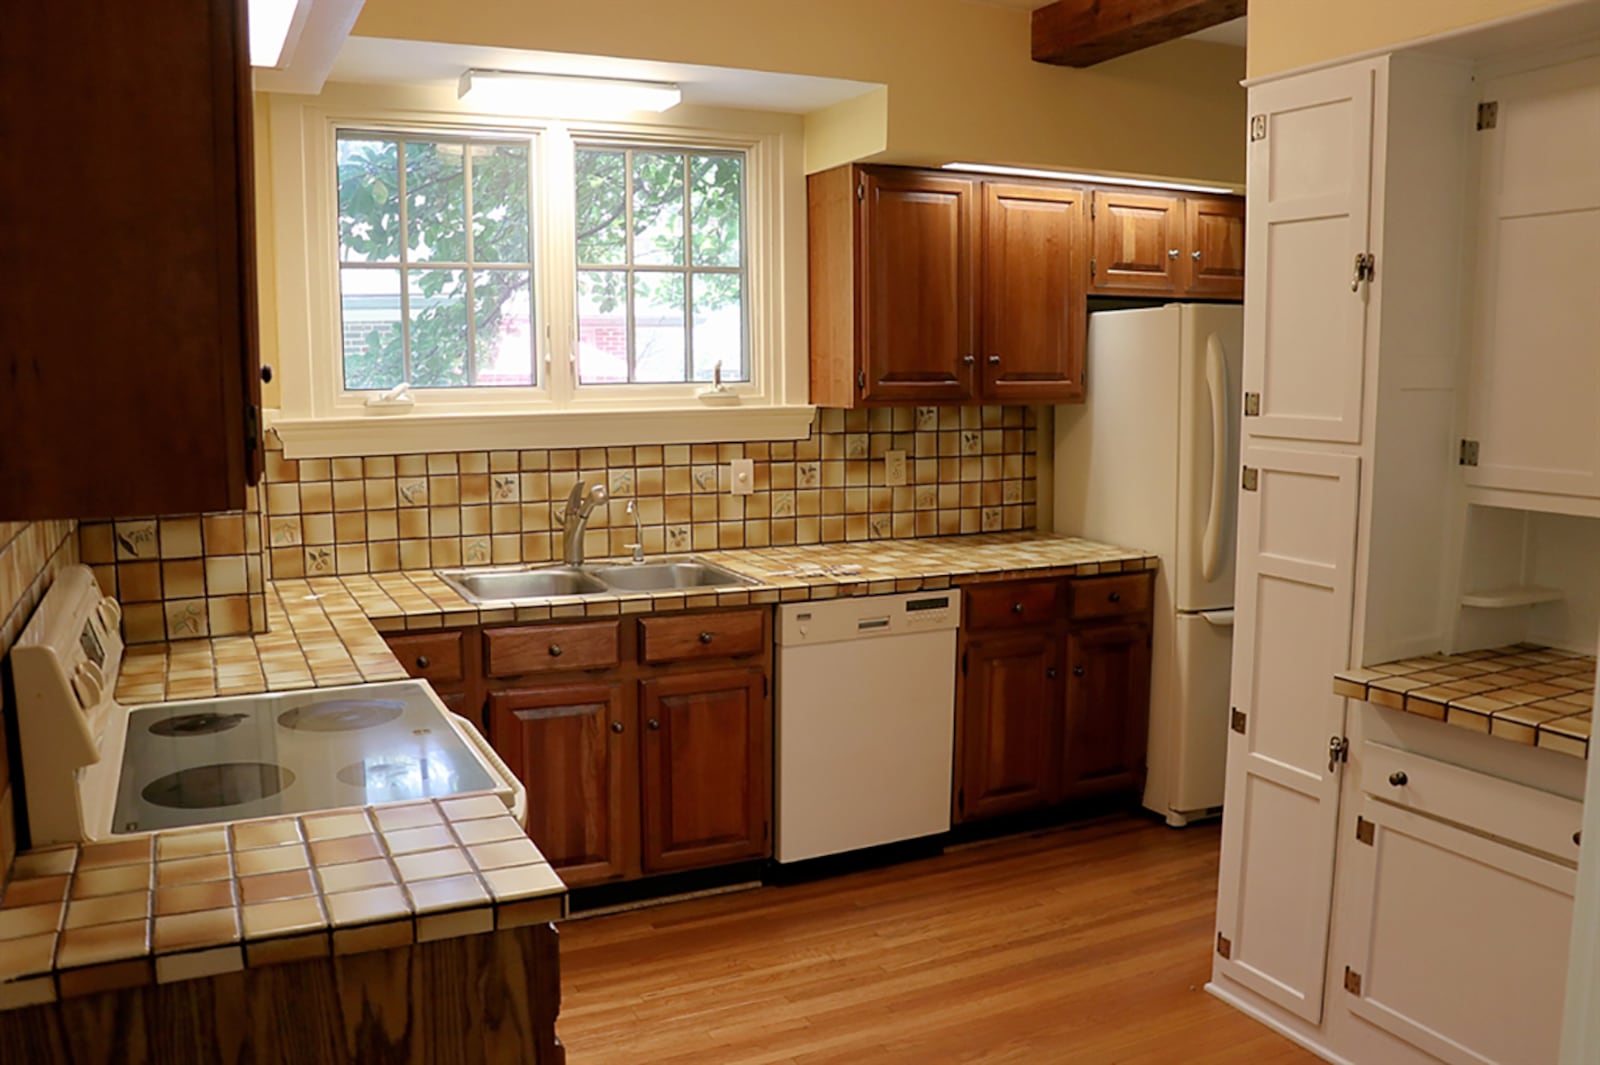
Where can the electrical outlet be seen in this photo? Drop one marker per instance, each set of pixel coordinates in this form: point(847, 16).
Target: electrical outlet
point(894, 468)
point(742, 476)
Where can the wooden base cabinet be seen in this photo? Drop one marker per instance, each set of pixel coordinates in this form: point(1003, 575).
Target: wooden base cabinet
point(1108, 698)
point(1007, 756)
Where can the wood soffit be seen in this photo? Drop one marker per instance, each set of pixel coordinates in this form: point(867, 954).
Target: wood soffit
point(1081, 33)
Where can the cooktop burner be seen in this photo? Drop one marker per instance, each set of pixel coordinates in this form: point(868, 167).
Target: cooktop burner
point(204, 787)
point(196, 724)
point(342, 715)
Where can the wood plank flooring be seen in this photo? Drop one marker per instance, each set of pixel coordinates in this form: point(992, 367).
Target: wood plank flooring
point(1087, 945)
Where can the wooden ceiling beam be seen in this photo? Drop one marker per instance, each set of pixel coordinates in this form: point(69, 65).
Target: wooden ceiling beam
point(1081, 33)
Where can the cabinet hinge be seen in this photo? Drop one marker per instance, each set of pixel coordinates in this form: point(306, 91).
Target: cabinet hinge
point(1224, 945)
point(1249, 478)
point(963, 663)
point(1364, 830)
point(252, 432)
point(961, 800)
point(764, 688)
point(861, 380)
point(1488, 114)
point(1092, 268)
point(1338, 752)
point(1252, 404)
point(1352, 981)
point(1238, 720)
point(861, 190)
point(1093, 201)
point(1469, 453)
point(1258, 128)
point(1366, 269)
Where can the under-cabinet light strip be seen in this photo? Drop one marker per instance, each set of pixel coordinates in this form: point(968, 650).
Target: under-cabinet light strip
point(1099, 179)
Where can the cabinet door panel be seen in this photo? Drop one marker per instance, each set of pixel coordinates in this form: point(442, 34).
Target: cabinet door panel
point(1490, 997)
point(919, 320)
point(1034, 310)
point(1292, 616)
point(1136, 243)
point(1305, 328)
point(1011, 700)
point(1536, 383)
point(570, 745)
point(1108, 708)
point(704, 755)
point(1214, 247)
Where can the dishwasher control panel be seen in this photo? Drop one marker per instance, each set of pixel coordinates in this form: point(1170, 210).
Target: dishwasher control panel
point(868, 617)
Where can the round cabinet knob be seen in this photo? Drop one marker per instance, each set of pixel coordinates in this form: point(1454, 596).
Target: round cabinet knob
point(423, 662)
point(653, 725)
point(1172, 253)
point(705, 637)
point(1577, 838)
point(1051, 673)
point(616, 726)
point(1398, 778)
point(1016, 608)
point(994, 360)
point(969, 359)
point(266, 373)
point(1077, 671)
point(1115, 597)
point(555, 650)
point(1195, 256)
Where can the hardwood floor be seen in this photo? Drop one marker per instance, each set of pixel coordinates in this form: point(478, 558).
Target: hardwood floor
point(1080, 946)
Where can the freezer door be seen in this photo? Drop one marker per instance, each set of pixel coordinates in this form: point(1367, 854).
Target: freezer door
point(1205, 654)
point(1208, 456)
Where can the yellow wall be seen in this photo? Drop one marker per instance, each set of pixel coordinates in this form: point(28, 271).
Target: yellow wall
point(960, 83)
point(1285, 34)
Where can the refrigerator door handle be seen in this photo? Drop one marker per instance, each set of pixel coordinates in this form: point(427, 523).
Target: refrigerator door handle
point(1220, 619)
point(1217, 386)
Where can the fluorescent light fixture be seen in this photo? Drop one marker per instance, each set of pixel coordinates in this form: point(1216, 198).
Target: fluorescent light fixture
point(1102, 179)
point(269, 30)
point(564, 95)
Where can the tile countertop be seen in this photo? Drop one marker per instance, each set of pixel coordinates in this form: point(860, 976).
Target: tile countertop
point(1528, 694)
point(203, 901)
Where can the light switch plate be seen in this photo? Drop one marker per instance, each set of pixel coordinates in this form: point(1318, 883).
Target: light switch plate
point(742, 476)
point(894, 468)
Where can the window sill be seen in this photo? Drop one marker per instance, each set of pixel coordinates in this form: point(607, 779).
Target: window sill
point(313, 438)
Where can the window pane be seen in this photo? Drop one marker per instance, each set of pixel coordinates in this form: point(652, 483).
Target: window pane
point(436, 201)
point(601, 195)
point(716, 199)
point(602, 327)
point(658, 333)
point(658, 208)
point(719, 327)
point(438, 328)
point(504, 322)
point(369, 199)
point(374, 345)
point(500, 203)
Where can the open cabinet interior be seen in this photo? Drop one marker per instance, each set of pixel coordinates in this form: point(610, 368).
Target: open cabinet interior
point(1528, 576)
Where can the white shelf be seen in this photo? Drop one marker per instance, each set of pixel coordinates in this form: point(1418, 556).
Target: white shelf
point(1501, 598)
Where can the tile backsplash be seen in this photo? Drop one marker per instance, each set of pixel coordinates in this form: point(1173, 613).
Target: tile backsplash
point(968, 469)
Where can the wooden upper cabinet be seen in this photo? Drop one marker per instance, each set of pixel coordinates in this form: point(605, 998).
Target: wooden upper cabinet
point(1137, 244)
point(128, 342)
point(1034, 285)
point(1214, 247)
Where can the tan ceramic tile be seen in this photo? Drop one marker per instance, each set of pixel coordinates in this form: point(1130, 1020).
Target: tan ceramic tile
point(96, 979)
point(99, 944)
point(287, 949)
point(355, 875)
point(505, 853)
point(410, 840)
point(416, 815)
point(490, 830)
point(193, 870)
point(336, 826)
point(108, 909)
point(189, 898)
point(523, 881)
point(531, 911)
point(52, 862)
point(428, 865)
point(283, 917)
point(198, 964)
point(125, 852)
point(449, 893)
point(388, 935)
point(176, 845)
point(472, 807)
point(28, 956)
point(345, 849)
point(113, 881)
point(454, 924)
point(271, 886)
point(42, 889)
point(367, 906)
point(28, 921)
point(272, 860)
point(29, 991)
point(195, 931)
point(254, 834)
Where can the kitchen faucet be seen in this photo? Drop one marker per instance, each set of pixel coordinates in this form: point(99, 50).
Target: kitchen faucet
point(638, 533)
point(575, 519)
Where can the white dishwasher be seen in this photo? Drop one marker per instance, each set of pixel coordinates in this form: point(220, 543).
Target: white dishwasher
point(866, 721)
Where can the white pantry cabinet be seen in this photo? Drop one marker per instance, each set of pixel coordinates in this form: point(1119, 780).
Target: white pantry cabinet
point(1535, 381)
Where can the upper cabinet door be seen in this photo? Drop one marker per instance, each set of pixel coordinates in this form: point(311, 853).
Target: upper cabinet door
point(1310, 172)
point(1535, 384)
point(1214, 247)
point(1137, 244)
point(1034, 311)
point(918, 306)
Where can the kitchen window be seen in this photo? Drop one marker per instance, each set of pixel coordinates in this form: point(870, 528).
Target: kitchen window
point(534, 283)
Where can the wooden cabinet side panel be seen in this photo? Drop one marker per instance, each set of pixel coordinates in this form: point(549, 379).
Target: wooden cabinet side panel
point(1035, 278)
point(832, 283)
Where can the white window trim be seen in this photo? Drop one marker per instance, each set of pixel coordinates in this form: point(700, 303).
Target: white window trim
point(318, 418)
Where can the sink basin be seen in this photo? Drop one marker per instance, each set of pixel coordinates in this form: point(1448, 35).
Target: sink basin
point(481, 586)
point(664, 574)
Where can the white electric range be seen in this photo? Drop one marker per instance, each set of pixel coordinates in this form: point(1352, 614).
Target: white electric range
point(93, 768)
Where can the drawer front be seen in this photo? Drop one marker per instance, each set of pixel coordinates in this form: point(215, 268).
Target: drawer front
point(687, 637)
point(1012, 606)
point(551, 648)
point(1534, 819)
point(1109, 597)
point(432, 656)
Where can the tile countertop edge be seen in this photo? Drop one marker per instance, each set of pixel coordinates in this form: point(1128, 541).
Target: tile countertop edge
point(1528, 694)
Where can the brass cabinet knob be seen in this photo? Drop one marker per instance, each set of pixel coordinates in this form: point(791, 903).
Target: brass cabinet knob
point(653, 725)
point(555, 650)
point(616, 726)
point(705, 637)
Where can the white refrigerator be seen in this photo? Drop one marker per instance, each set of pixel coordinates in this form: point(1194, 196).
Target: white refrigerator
point(1151, 460)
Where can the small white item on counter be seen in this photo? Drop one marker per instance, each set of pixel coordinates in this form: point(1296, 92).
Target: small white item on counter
point(397, 400)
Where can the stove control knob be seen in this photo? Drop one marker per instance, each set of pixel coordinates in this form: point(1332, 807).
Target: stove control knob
point(96, 674)
point(110, 612)
point(87, 686)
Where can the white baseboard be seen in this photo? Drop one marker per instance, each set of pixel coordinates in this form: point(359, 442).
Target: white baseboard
point(1276, 1025)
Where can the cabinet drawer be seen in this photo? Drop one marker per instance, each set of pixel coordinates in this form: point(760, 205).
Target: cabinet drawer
point(1514, 812)
point(432, 656)
point(1108, 597)
point(689, 637)
point(550, 648)
point(1012, 606)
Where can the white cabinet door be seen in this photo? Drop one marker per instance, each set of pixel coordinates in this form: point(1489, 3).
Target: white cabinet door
point(1310, 173)
point(1462, 946)
point(1297, 537)
point(1535, 386)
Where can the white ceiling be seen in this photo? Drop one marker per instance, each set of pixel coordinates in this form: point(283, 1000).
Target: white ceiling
point(377, 60)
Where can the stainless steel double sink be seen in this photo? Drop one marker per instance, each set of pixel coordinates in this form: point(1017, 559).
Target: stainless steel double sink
point(548, 582)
